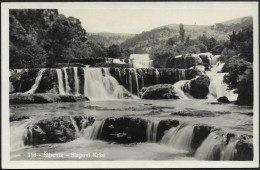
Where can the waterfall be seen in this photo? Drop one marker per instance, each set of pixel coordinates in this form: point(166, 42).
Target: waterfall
point(137, 83)
point(151, 131)
point(97, 86)
point(37, 82)
point(157, 76)
point(75, 126)
point(181, 74)
point(217, 88)
point(60, 82)
point(68, 90)
point(179, 138)
point(211, 147)
point(130, 81)
point(18, 130)
point(229, 152)
point(93, 132)
point(141, 61)
point(215, 59)
point(179, 87)
point(76, 80)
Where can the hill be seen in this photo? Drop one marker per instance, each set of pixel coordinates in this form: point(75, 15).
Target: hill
point(144, 42)
point(108, 39)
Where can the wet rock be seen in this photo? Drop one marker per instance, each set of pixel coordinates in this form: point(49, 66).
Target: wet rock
point(83, 121)
point(223, 99)
point(20, 98)
point(200, 133)
point(184, 61)
point(199, 87)
point(160, 91)
point(165, 125)
point(49, 82)
point(244, 149)
point(17, 118)
point(54, 130)
point(194, 113)
point(23, 79)
point(124, 130)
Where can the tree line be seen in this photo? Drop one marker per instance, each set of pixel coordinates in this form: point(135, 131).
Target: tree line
point(39, 38)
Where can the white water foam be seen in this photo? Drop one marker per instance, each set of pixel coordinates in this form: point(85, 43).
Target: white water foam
point(37, 82)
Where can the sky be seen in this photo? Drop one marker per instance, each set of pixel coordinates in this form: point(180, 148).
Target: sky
point(139, 17)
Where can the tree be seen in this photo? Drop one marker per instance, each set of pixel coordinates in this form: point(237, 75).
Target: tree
point(114, 51)
point(193, 50)
point(173, 40)
point(182, 32)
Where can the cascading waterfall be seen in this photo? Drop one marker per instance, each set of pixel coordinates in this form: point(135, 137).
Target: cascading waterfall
point(211, 147)
point(75, 126)
point(215, 59)
point(68, 90)
point(18, 130)
point(76, 80)
point(157, 76)
point(93, 132)
point(130, 81)
point(217, 88)
point(151, 131)
point(37, 82)
point(229, 152)
point(181, 73)
point(179, 138)
point(137, 83)
point(97, 86)
point(179, 87)
point(60, 82)
point(141, 61)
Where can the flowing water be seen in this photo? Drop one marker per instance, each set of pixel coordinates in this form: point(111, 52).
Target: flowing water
point(37, 82)
point(60, 82)
point(76, 80)
point(217, 88)
point(68, 89)
point(141, 61)
point(175, 144)
point(107, 100)
point(151, 131)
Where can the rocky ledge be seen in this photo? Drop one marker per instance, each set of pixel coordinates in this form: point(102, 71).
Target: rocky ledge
point(126, 130)
point(20, 98)
point(159, 91)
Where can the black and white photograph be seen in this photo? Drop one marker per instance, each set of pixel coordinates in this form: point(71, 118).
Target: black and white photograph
point(142, 83)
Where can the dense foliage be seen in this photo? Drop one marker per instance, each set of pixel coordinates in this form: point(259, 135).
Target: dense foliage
point(239, 55)
point(39, 38)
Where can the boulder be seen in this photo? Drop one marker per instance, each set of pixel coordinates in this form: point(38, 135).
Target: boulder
point(184, 61)
point(17, 118)
point(20, 98)
point(124, 130)
point(160, 91)
point(223, 99)
point(199, 87)
point(244, 149)
point(165, 125)
point(200, 133)
point(22, 79)
point(53, 130)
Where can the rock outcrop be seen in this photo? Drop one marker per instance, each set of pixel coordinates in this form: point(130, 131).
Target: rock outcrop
point(53, 130)
point(160, 91)
point(199, 87)
point(20, 98)
point(223, 99)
